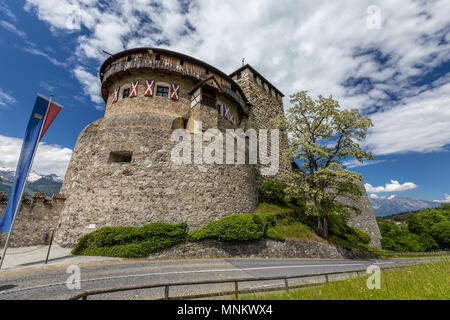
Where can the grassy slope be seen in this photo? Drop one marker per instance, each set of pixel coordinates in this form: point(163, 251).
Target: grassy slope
point(289, 227)
point(421, 282)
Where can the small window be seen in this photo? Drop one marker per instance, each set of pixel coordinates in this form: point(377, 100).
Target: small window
point(162, 91)
point(255, 78)
point(181, 62)
point(125, 93)
point(158, 57)
point(207, 71)
point(129, 58)
point(220, 109)
point(120, 157)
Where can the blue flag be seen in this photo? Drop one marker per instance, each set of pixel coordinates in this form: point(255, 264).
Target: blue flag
point(30, 143)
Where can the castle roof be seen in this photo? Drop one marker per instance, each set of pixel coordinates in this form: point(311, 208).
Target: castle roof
point(253, 70)
point(234, 86)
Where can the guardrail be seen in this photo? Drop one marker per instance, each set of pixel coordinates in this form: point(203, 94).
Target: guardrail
point(235, 292)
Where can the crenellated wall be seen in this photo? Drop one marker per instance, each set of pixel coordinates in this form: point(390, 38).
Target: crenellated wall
point(35, 221)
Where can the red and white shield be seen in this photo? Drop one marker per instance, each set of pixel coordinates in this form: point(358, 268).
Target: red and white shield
point(134, 88)
point(174, 89)
point(227, 114)
point(116, 95)
point(149, 87)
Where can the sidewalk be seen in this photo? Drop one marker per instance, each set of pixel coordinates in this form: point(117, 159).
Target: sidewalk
point(25, 257)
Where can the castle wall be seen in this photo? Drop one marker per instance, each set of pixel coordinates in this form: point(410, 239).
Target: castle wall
point(141, 103)
point(151, 188)
point(365, 221)
point(35, 220)
point(265, 109)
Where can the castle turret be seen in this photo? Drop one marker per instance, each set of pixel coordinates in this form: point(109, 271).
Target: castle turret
point(121, 171)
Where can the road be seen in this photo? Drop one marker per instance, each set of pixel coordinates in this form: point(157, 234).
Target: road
point(49, 282)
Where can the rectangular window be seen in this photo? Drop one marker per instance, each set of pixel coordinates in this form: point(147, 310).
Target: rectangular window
point(126, 93)
point(162, 91)
point(120, 157)
point(157, 57)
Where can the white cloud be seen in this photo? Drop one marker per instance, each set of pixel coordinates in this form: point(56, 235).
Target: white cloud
point(355, 163)
point(37, 52)
point(49, 158)
point(420, 124)
point(7, 11)
point(391, 197)
point(10, 27)
point(321, 46)
point(446, 200)
point(393, 186)
point(90, 83)
point(6, 99)
point(374, 196)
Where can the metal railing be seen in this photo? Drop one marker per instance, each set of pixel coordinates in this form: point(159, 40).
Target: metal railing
point(235, 292)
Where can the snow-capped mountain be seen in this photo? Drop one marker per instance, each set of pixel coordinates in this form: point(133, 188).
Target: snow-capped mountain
point(393, 205)
point(49, 184)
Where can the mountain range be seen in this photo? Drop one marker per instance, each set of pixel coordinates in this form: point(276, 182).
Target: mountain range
point(393, 205)
point(49, 184)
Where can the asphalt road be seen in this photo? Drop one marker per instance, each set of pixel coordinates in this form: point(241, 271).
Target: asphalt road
point(50, 282)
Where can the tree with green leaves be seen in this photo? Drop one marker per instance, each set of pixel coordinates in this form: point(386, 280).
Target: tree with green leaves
point(322, 136)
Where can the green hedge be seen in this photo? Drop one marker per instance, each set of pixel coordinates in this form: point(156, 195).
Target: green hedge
point(131, 242)
point(236, 227)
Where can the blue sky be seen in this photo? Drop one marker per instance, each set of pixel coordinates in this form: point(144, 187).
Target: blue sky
point(391, 61)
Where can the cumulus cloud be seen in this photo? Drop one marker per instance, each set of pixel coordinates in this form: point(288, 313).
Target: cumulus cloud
point(419, 124)
point(90, 83)
point(6, 99)
point(322, 46)
point(393, 186)
point(49, 158)
point(446, 200)
point(374, 196)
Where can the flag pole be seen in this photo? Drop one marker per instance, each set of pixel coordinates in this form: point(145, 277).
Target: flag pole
point(23, 187)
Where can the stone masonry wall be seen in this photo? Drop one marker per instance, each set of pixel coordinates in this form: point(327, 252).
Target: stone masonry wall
point(264, 248)
point(35, 220)
point(265, 108)
point(151, 188)
point(365, 221)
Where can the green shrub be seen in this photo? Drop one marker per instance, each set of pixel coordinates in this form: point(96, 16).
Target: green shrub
point(441, 233)
point(360, 235)
point(339, 228)
point(131, 242)
point(236, 227)
point(273, 191)
point(275, 234)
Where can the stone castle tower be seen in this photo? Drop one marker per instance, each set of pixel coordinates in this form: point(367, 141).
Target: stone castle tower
point(121, 172)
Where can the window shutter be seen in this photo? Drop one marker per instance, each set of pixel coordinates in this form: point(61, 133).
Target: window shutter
point(134, 88)
point(174, 91)
point(149, 88)
point(116, 95)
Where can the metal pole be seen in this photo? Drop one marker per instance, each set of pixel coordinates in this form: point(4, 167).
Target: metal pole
point(50, 246)
point(23, 187)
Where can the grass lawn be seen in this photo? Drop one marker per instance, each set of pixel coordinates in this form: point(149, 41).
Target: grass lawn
point(420, 282)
